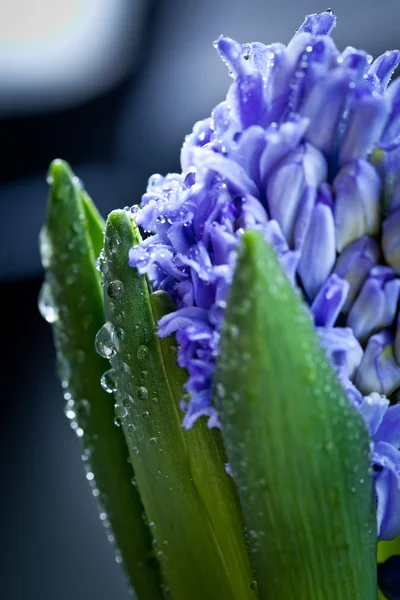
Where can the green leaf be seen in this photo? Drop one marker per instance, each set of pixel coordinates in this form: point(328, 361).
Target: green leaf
point(298, 450)
point(172, 476)
point(72, 301)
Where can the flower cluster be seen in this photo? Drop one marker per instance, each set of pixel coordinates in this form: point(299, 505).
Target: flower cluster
point(306, 149)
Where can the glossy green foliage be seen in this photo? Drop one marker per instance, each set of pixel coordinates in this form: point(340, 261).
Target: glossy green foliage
point(189, 500)
point(298, 450)
point(72, 301)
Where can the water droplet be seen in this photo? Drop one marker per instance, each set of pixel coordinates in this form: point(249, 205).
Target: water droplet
point(46, 251)
point(106, 341)
point(131, 428)
point(330, 11)
point(117, 422)
point(142, 352)
point(143, 394)
point(108, 381)
point(71, 274)
point(153, 440)
point(69, 410)
point(89, 476)
point(127, 401)
point(115, 289)
point(253, 585)
point(46, 304)
point(120, 411)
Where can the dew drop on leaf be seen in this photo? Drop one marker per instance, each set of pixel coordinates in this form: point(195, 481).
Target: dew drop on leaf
point(46, 304)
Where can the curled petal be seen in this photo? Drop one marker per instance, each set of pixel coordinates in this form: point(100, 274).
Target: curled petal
point(232, 55)
point(182, 318)
point(329, 301)
point(384, 66)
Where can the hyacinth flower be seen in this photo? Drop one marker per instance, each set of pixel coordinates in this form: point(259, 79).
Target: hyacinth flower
point(248, 310)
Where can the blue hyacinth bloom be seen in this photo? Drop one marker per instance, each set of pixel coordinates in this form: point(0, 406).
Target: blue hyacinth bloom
point(292, 152)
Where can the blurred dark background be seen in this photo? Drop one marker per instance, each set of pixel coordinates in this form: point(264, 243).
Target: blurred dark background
point(112, 86)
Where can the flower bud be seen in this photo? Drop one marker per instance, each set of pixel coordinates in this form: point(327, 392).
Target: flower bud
point(304, 167)
point(318, 252)
point(376, 304)
point(357, 206)
point(391, 240)
point(354, 264)
point(379, 370)
point(329, 301)
point(359, 139)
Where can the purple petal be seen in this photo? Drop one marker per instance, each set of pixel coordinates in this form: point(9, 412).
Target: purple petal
point(329, 301)
point(279, 143)
point(379, 370)
point(301, 168)
point(321, 23)
point(376, 304)
point(318, 253)
point(387, 487)
point(355, 263)
point(324, 107)
point(250, 101)
point(182, 318)
point(359, 140)
point(357, 202)
point(341, 347)
point(384, 66)
point(391, 240)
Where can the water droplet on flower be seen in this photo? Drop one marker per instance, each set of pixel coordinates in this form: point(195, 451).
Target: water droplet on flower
point(46, 304)
point(115, 289)
point(108, 381)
